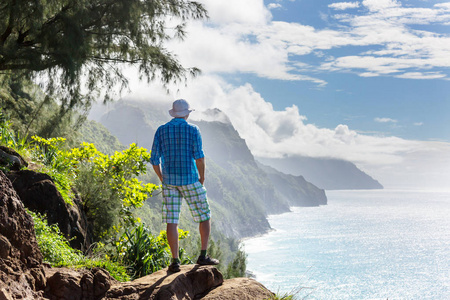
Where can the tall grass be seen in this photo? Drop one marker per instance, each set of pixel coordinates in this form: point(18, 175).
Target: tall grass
point(57, 252)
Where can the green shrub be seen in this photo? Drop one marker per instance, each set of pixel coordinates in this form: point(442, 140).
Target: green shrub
point(145, 253)
point(102, 203)
point(11, 140)
point(238, 266)
point(109, 186)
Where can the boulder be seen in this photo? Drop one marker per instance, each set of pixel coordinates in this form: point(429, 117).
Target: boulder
point(11, 159)
point(21, 271)
point(39, 194)
point(192, 282)
point(239, 288)
point(70, 284)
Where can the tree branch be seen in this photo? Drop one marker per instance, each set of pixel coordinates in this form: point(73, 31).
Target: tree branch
point(8, 30)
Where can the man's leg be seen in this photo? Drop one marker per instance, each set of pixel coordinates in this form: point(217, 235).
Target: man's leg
point(172, 238)
point(205, 230)
point(195, 195)
point(170, 214)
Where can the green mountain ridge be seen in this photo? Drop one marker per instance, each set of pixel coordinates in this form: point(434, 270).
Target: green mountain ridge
point(325, 173)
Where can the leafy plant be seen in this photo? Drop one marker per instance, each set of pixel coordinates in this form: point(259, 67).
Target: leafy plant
point(108, 185)
point(53, 245)
point(116, 270)
point(48, 151)
point(145, 253)
point(294, 294)
point(7, 136)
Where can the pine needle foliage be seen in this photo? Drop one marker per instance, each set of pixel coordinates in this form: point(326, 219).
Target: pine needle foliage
point(85, 45)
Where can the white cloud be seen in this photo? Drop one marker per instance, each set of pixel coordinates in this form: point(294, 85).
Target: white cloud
point(385, 120)
point(424, 165)
point(418, 124)
point(236, 48)
point(445, 5)
point(237, 11)
point(369, 74)
point(401, 48)
point(273, 133)
point(378, 5)
point(344, 5)
point(419, 75)
point(274, 5)
point(242, 38)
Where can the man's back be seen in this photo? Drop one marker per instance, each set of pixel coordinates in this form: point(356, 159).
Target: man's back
point(178, 144)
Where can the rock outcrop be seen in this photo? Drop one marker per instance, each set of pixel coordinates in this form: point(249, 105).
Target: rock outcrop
point(12, 159)
point(239, 288)
point(38, 193)
point(64, 283)
point(192, 282)
point(21, 270)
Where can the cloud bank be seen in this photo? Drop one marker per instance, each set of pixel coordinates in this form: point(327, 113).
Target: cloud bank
point(242, 36)
point(384, 39)
point(395, 162)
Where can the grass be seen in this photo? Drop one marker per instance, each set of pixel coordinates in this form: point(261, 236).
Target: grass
point(58, 253)
point(294, 294)
point(284, 296)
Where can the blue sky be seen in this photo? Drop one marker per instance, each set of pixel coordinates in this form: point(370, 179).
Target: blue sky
point(365, 81)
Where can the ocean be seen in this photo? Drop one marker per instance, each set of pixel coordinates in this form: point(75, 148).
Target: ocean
point(365, 244)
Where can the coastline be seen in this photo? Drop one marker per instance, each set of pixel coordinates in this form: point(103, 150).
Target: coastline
point(362, 239)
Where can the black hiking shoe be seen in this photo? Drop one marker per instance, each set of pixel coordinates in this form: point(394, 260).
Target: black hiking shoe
point(206, 260)
point(174, 267)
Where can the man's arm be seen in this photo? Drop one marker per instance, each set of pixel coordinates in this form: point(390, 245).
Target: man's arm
point(201, 169)
point(158, 171)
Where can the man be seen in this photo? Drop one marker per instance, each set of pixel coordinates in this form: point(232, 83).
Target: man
point(177, 147)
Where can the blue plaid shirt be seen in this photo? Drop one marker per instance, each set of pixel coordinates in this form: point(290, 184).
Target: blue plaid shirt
point(177, 144)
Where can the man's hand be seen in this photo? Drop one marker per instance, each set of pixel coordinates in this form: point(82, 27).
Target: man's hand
point(157, 169)
point(201, 169)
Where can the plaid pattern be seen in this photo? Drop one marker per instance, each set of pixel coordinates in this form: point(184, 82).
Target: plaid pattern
point(177, 144)
point(195, 196)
